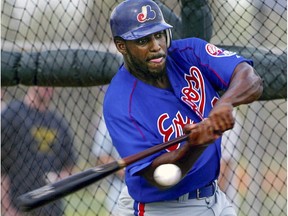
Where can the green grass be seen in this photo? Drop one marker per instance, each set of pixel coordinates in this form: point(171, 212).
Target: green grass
point(86, 202)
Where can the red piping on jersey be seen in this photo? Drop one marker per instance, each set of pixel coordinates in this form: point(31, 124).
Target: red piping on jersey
point(130, 105)
point(222, 81)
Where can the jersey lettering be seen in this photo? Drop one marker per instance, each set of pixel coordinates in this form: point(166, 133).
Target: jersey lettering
point(194, 93)
point(173, 130)
point(214, 101)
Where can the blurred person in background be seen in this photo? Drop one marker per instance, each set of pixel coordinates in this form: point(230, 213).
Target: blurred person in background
point(36, 149)
point(105, 152)
point(3, 102)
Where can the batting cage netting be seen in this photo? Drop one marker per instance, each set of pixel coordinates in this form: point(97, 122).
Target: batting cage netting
point(67, 45)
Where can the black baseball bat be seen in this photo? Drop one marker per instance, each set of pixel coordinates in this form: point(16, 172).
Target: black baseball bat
point(73, 183)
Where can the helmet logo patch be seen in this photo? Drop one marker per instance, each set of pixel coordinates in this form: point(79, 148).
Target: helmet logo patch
point(146, 14)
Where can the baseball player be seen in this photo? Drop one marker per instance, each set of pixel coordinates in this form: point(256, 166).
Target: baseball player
point(166, 88)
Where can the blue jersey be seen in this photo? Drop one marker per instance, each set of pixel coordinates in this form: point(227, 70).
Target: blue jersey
point(139, 116)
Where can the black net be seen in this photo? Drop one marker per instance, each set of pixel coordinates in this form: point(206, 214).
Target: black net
point(67, 44)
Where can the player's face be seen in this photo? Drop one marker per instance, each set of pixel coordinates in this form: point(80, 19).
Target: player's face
point(44, 94)
point(147, 55)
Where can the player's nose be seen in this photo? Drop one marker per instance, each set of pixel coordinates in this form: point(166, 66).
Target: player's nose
point(155, 44)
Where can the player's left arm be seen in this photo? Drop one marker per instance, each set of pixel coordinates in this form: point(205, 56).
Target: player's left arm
point(245, 87)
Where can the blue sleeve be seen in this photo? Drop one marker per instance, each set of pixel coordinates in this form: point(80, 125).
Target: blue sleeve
point(216, 64)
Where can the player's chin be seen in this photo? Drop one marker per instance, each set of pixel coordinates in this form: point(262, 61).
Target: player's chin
point(157, 74)
point(156, 68)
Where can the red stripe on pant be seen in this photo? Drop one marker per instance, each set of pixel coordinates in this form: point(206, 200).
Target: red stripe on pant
point(139, 208)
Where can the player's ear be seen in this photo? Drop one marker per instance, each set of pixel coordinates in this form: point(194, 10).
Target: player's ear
point(120, 45)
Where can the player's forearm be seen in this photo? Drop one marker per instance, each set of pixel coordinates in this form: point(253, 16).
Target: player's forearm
point(245, 86)
point(187, 156)
point(184, 158)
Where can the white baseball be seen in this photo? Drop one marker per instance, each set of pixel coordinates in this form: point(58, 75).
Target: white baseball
point(167, 174)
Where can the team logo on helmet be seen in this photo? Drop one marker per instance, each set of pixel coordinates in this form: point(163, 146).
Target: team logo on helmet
point(146, 14)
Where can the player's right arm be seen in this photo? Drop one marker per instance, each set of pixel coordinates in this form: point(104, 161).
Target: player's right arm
point(185, 157)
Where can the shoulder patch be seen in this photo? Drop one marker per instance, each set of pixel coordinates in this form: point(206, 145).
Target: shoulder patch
point(217, 52)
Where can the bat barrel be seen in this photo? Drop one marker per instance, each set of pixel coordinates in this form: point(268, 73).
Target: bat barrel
point(57, 190)
point(54, 191)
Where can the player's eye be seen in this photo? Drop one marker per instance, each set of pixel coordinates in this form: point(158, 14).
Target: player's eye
point(159, 34)
point(142, 41)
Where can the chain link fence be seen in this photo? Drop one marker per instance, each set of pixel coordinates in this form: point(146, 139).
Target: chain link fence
point(254, 165)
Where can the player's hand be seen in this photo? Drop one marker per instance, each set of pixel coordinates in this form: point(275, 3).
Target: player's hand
point(221, 117)
point(220, 120)
point(201, 133)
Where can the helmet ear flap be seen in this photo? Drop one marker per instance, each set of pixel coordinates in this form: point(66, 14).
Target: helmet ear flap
point(168, 37)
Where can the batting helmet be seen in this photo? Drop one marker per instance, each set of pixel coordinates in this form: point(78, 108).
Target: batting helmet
point(133, 19)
